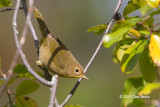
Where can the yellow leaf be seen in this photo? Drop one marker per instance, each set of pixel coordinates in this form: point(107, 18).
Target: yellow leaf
point(149, 88)
point(154, 48)
point(153, 3)
point(134, 32)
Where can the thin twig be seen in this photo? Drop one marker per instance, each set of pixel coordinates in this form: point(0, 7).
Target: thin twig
point(9, 9)
point(9, 96)
point(36, 42)
point(45, 82)
point(92, 58)
point(10, 72)
point(46, 73)
point(53, 91)
point(56, 103)
point(141, 23)
point(12, 98)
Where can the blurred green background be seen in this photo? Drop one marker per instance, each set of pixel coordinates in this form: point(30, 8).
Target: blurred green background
point(69, 20)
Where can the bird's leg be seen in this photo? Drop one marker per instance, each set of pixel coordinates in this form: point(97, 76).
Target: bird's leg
point(46, 72)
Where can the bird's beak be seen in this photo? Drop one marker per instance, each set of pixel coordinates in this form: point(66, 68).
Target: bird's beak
point(85, 77)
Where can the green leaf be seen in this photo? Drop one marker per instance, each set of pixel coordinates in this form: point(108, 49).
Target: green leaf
point(155, 12)
point(14, 106)
point(98, 29)
point(111, 38)
point(22, 71)
point(123, 46)
point(134, 33)
point(149, 22)
point(4, 3)
point(20, 68)
point(26, 87)
point(130, 22)
point(24, 101)
point(119, 46)
point(72, 106)
point(148, 88)
point(131, 88)
point(28, 75)
point(153, 3)
point(131, 56)
point(133, 5)
point(142, 30)
point(145, 9)
point(147, 67)
point(138, 102)
point(114, 56)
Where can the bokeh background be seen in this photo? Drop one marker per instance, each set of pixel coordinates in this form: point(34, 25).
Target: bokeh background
point(69, 21)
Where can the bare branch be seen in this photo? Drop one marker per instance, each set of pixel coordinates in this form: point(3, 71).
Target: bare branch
point(36, 42)
point(10, 72)
point(9, 96)
point(53, 91)
point(19, 45)
point(45, 82)
point(56, 103)
point(94, 55)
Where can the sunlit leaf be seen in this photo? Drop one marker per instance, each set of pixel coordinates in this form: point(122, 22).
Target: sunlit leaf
point(26, 87)
point(4, 3)
point(148, 88)
point(146, 66)
point(154, 49)
point(121, 47)
point(121, 51)
point(134, 33)
point(153, 3)
point(131, 88)
point(131, 56)
point(118, 31)
point(124, 45)
point(114, 56)
point(23, 101)
point(98, 29)
point(145, 9)
point(111, 38)
point(130, 22)
point(132, 6)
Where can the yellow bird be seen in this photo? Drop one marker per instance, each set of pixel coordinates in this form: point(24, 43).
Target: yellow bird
point(54, 55)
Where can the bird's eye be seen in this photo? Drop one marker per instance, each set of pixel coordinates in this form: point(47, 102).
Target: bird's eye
point(76, 70)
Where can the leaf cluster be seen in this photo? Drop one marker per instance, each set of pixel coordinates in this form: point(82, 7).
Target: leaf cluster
point(131, 36)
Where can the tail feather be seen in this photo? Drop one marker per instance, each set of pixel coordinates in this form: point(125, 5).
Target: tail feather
point(42, 25)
